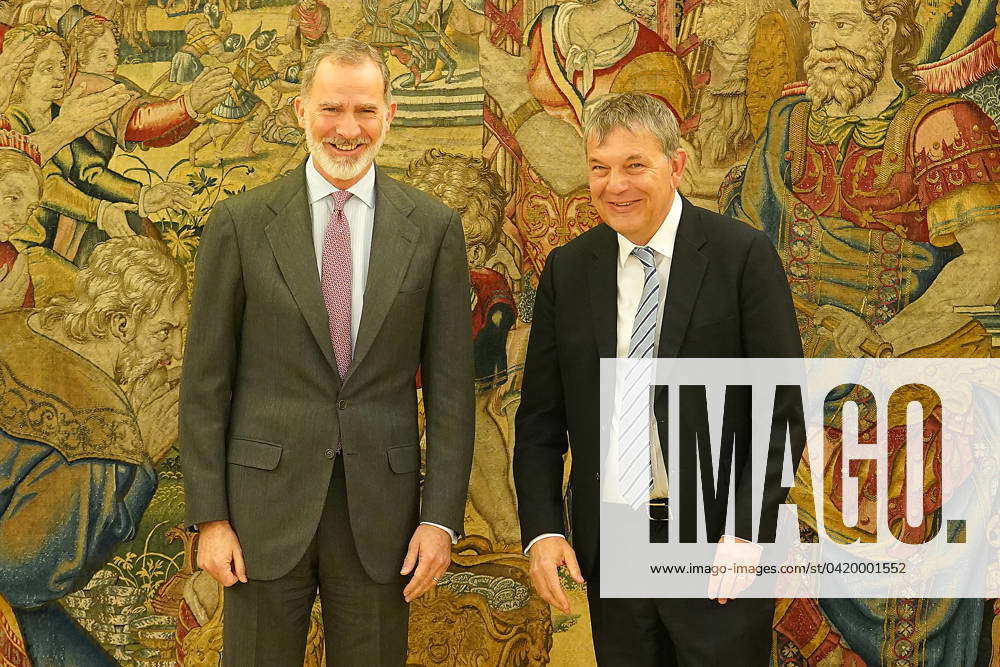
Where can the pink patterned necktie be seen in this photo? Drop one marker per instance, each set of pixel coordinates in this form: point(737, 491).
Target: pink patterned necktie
point(336, 281)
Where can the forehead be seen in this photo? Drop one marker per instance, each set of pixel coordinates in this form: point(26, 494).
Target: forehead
point(622, 143)
point(106, 36)
point(21, 180)
point(171, 312)
point(339, 82)
point(50, 51)
point(828, 7)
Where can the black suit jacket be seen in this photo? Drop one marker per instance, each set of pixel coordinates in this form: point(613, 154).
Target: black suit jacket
point(727, 296)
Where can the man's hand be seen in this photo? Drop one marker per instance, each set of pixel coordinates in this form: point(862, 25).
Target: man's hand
point(14, 284)
point(430, 552)
point(545, 557)
point(220, 554)
point(82, 108)
point(112, 219)
point(848, 331)
point(209, 89)
point(80, 111)
point(165, 195)
point(732, 552)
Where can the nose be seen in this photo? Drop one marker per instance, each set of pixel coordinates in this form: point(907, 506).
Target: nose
point(617, 181)
point(348, 127)
point(174, 345)
point(822, 36)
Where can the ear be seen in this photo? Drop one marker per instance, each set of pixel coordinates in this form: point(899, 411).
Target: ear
point(390, 114)
point(300, 111)
point(889, 27)
point(678, 162)
point(122, 327)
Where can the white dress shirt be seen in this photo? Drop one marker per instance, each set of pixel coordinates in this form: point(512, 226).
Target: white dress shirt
point(360, 213)
point(631, 278)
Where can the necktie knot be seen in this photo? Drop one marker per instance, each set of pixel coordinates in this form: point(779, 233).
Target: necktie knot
point(645, 255)
point(340, 198)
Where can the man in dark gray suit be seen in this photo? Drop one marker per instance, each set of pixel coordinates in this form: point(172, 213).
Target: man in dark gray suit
point(317, 297)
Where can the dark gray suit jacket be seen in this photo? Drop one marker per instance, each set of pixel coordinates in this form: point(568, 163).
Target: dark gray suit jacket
point(727, 296)
point(263, 407)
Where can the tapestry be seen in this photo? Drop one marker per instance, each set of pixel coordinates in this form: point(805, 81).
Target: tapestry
point(878, 182)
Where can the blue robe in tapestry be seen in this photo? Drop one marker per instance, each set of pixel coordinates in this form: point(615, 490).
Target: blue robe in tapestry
point(75, 481)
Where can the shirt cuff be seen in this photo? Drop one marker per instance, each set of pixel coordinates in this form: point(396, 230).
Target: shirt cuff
point(542, 537)
point(451, 533)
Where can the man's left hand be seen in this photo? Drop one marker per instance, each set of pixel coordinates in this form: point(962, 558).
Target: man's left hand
point(731, 553)
point(430, 552)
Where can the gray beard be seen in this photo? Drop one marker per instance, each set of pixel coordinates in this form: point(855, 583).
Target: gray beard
point(132, 368)
point(725, 122)
point(343, 169)
point(716, 25)
point(853, 80)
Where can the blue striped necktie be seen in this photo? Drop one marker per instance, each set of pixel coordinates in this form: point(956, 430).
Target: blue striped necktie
point(634, 467)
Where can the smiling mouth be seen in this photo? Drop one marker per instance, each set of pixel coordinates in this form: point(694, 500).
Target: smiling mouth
point(623, 206)
point(345, 149)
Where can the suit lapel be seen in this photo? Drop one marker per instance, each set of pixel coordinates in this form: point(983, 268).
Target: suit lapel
point(394, 239)
point(687, 269)
point(290, 236)
point(602, 283)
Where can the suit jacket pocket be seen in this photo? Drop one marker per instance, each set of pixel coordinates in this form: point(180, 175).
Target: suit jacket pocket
point(404, 458)
point(253, 453)
point(731, 321)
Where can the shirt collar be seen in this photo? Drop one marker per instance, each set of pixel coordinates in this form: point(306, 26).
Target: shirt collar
point(663, 240)
point(318, 187)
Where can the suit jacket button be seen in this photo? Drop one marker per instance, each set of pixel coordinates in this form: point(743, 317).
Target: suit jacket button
point(341, 404)
point(330, 453)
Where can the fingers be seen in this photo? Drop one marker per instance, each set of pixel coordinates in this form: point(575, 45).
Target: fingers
point(239, 567)
point(181, 195)
point(167, 195)
point(431, 564)
point(574, 567)
point(541, 585)
point(113, 98)
point(420, 582)
point(220, 554)
point(219, 567)
point(555, 588)
point(411, 557)
point(546, 556)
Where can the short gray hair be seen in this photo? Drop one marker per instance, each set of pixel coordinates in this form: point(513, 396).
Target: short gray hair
point(344, 51)
point(632, 111)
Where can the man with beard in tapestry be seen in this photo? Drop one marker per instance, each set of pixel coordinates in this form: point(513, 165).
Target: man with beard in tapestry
point(881, 201)
point(749, 51)
point(75, 483)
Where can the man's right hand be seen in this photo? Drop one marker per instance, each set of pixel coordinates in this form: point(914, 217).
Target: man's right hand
point(112, 219)
point(219, 553)
point(82, 109)
point(209, 89)
point(545, 557)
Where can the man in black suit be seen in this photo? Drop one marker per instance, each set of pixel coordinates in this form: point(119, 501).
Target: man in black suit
point(714, 288)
